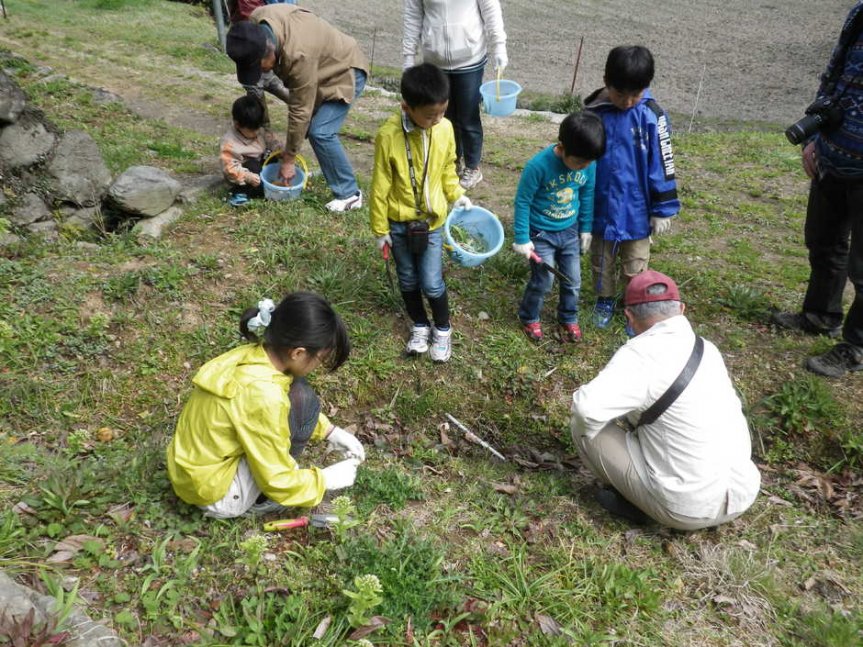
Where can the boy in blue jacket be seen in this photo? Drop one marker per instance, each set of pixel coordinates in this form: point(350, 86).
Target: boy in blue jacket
point(636, 193)
point(553, 219)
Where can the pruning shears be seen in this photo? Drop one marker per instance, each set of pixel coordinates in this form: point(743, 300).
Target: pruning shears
point(536, 258)
point(315, 521)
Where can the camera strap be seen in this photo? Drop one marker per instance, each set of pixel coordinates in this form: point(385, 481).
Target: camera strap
point(671, 394)
point(412, 173)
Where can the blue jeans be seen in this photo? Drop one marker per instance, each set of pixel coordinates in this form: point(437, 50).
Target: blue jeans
point(560, 249)
point(423, 272)
point(463, 112)
point(324, 138)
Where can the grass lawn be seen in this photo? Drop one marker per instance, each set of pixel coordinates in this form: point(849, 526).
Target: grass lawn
point(98, 345)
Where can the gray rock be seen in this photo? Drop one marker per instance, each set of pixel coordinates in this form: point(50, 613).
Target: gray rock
point(195, 187)
point(47, 229)
point(103, 96)
point(30, 208)
point(143, 190)
point(82, 217)
point(12, 99)
point(8, 239)
point(24, 143)
point(16, 601)
point(77, 172)
point(152, 227)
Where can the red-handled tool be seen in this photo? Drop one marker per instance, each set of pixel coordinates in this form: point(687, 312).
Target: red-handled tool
point(316, 521)
point(385, 252)
point(536, 258)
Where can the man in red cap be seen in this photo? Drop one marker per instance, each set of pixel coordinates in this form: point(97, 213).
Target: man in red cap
point(661, 425)
point(324, 70)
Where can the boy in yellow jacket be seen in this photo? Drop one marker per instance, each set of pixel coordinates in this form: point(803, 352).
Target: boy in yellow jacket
point(413, 183)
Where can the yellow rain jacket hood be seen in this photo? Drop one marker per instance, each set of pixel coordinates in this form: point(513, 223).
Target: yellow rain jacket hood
point(239, 407)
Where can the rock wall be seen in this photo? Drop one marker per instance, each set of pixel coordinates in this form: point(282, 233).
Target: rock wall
point(55, 181)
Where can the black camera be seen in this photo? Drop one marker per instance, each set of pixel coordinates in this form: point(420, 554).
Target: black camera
point(824, 114)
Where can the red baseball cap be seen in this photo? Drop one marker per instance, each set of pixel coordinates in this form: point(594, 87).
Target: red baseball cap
point(639, 289)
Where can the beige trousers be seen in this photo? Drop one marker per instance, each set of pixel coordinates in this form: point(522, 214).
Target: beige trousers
point(608, 457)
point(240, 497)
point(608, 280)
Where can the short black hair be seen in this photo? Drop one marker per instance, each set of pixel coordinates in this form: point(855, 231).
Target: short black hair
point(629, 68)
point(582, 135)
point(248, 112)
point(424, 85)
point(303, 320)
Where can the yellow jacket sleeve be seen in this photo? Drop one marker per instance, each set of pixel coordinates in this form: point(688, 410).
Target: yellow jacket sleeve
point(382, 181)
point(260, 416)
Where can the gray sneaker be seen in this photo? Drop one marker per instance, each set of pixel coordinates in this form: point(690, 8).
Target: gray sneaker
point(419, 341)
point(441, 345)
point(808, 323)
point(267, 506)
point(470, 177)
point(837, 361)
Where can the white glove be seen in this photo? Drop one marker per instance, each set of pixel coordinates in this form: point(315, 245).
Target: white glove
point(525, 250)
point(409, 60)
point(383, 241)
point(340, 475)
point(586, 238)
point(500, 58)
point(463, 203)
point(346, 443)
point(659, 225)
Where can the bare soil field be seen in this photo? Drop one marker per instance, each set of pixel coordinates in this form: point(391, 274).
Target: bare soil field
point(760, 59)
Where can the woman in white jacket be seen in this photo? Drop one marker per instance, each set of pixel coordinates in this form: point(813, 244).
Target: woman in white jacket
point(457, 36)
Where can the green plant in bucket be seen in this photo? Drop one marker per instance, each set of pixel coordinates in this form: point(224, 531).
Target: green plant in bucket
point(469, 242)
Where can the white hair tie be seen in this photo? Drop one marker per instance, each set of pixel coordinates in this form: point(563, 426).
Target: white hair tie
point(258, 324)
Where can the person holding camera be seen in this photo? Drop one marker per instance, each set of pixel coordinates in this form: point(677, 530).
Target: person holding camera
point(833, 159)
point(661, 425)
point(413, 181)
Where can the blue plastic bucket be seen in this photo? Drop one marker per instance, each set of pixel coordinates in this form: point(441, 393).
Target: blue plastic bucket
point(270, 174)
point(499, 97)
point(479, 224)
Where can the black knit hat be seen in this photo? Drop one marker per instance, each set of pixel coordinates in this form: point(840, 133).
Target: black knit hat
point(246, 44)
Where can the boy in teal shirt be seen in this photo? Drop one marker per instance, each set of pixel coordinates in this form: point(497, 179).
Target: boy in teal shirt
point(554, 217)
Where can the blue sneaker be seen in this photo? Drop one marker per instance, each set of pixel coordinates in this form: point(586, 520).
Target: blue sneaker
point(603, 311)
point(238, 199)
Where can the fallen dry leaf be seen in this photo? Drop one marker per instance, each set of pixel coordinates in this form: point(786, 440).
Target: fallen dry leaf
point(121, 513)
point(505, 488)
point(322, 627)
point(23, 508)
point(67, 548)
point(548, 625)
point(375, 623)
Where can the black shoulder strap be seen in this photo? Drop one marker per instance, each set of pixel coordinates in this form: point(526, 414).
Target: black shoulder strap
point(667, 399)
point(655, 108)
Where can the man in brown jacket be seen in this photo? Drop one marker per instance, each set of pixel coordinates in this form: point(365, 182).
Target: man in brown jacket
point(325, 71)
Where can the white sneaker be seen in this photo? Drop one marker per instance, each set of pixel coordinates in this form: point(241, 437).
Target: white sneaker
point(419, 341)
point(470, 177)
point(348, 204)
point(441, 346)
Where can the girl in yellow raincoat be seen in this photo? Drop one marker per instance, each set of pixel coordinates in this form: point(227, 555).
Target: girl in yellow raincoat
point(252, 412)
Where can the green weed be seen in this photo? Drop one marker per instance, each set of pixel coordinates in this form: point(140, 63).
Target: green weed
point(362, 600)
point(390, 487)
point(409, 568)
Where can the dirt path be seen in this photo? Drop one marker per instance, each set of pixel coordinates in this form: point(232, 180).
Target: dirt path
point(761, 58)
